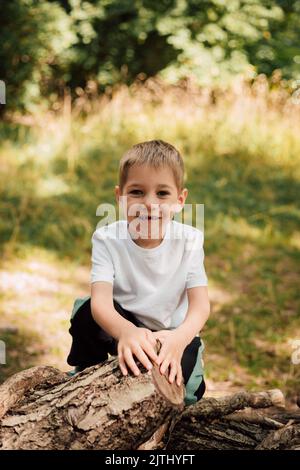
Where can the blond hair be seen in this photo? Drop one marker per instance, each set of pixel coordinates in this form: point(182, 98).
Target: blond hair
point(156, 153)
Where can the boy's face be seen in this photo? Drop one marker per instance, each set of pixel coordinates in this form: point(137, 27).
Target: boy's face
point(151, 198)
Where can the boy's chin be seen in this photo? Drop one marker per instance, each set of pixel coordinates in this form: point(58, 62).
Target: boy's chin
point(151, 222)
point(148, 229)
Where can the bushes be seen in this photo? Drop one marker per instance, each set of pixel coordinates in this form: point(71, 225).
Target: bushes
point(35, 38)
point(50, 45)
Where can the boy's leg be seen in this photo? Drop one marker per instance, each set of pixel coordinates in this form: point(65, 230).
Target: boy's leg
point(192, 371)
point(90, 343)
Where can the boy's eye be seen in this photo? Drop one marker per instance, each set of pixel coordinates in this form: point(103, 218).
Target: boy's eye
point(138, 192)
point(163, 193)
point(135, 191)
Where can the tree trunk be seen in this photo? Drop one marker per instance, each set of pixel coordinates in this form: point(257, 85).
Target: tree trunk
point(243, 421)
point(43, 408)
point(96, 409)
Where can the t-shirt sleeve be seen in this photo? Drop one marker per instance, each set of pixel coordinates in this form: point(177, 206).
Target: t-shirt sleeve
point(102, 264)
point(196, 275)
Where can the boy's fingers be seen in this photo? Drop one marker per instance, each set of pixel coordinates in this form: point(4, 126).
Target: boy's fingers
point(152, 338)
point(130, 362)
point(161, 355)
point(122, 365)
point(164, 366)
point(142, 357)
point(173, 371)
point(179, 376)
point(148, 348)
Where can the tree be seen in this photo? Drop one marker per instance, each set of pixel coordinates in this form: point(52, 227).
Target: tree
point(35, 37)
point(48, 46)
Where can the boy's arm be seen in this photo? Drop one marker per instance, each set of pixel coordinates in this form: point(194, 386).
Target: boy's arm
point(103, 310)
point(197, 314)
point(175, 341)
point(131, 339)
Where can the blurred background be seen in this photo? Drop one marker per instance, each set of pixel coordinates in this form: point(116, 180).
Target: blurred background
point(218, 79)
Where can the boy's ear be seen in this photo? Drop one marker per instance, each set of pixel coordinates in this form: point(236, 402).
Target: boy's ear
point(117, 193)
point(182, 196)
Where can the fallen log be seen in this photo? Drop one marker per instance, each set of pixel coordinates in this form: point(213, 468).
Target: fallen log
point(242, 421)
point(99, 408)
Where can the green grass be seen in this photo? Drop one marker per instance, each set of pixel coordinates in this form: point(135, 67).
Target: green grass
point(242, 163)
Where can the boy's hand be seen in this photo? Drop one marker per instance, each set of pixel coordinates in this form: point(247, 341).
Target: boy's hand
point(140, 342)
point(170, 354)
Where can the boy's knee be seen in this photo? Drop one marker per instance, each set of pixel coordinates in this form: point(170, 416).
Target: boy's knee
point(192, 395)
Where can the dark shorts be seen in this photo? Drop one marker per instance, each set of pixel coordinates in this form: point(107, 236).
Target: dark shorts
point(91, 345)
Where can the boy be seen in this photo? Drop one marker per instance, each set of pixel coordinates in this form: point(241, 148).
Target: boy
point(148, 280)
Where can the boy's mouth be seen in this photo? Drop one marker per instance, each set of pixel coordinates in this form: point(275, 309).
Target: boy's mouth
point(149, 217)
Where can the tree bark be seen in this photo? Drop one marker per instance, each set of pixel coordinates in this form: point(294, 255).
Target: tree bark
point(243, 421)
point(96, 409)
point(43, 408)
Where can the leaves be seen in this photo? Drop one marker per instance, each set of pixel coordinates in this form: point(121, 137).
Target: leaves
point(50, 45)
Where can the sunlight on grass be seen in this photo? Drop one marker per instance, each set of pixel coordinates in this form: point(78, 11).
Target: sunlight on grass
point(36, 297)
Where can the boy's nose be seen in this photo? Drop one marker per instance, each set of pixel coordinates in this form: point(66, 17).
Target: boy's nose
point(151, 204)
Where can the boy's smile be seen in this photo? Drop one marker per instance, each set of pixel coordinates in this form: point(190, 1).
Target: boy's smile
point(151, 197)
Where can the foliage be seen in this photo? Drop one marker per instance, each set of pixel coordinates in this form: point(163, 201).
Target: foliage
point(50, 45)
point(35, 37)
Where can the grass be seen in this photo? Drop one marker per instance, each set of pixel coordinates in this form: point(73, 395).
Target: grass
point(242, 155)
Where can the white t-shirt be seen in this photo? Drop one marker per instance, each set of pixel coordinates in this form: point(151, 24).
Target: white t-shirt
point(151, 283)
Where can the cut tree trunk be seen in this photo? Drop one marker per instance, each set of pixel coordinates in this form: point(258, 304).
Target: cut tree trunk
point(43, 408)
point(243, 421)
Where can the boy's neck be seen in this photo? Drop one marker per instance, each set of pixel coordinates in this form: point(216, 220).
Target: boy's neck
point(148, 243)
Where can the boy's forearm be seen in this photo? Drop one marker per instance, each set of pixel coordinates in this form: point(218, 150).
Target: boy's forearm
point(110, 320)
point(192, 324)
